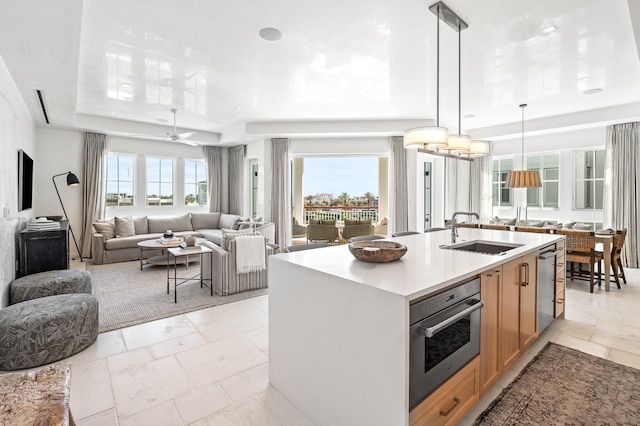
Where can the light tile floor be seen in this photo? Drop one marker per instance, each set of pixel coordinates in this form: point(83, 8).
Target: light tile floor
point(210, 367)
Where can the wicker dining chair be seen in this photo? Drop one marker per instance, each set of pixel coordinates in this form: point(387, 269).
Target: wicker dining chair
point(581, 248)
point(494, 227)
point(320, 232)
point(616, 250)
point(534, 229)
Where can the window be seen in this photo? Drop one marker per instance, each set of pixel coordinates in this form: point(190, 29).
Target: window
point(501, 195)
point(254, 189)
point(548, 166)
point(159, 181)
point(195, 183)
point(589, 190)
point(119, 180)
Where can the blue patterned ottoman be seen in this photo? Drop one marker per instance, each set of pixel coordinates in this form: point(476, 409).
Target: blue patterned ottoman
point(47, 329)
point(50, 283)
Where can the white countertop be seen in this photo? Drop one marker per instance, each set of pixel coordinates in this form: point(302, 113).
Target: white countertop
point(425, 268)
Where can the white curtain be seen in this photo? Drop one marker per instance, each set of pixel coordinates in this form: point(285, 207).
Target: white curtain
point(93, 187)
point(213, 157)
point(236, 179)
point(281, 191)
point(480, 188)
point(399, 205)
point(622, 195)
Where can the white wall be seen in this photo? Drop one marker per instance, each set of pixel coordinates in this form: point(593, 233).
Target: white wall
point(17, 131)
point(566, 144)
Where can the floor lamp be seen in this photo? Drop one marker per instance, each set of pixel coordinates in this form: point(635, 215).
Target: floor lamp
point(72, 180)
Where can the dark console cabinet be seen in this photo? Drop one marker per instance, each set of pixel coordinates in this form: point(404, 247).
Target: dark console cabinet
point(44, 250)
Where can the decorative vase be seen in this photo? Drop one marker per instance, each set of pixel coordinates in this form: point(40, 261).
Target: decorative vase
point(190, 240)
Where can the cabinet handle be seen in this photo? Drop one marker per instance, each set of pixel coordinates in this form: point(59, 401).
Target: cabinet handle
point(453, 405)
point(494, 274)
point(560, 301)
point(525, 282)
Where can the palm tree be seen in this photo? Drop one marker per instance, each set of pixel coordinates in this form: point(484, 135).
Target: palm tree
point(344, 198)
point(368, 196)
point(309, 199)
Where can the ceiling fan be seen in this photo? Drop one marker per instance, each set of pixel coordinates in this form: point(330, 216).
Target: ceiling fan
point(180, 137)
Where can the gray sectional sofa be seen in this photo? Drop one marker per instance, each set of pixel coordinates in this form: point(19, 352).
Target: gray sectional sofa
point(116, 239)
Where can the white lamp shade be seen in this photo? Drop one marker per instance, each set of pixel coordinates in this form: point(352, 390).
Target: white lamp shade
point(421, 137)
point(479, 148)
point(458, 144)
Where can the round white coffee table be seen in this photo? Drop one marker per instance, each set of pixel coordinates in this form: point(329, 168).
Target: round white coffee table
point(161, 260)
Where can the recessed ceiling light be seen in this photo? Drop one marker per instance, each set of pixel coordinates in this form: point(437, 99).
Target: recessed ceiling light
point(592, 91)
point(550, 29)
point(270, 34)
point(469, 116)
point(112, 112)
point(162, 120)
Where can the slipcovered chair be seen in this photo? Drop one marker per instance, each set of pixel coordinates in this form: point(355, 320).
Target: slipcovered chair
point(533, 229)
point(326, 231)
point(226, 279)
point(297, 230)
point(356, 228)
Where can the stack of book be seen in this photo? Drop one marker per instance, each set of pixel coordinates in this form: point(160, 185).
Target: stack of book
point(42, 225)
point(170, 241)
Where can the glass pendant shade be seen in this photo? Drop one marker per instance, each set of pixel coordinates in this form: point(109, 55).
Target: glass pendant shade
point(458, 144)
point(479, 149)
point(523, 179)
point(428, 136)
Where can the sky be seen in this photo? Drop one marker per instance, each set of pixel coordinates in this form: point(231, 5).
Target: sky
point(353, 175)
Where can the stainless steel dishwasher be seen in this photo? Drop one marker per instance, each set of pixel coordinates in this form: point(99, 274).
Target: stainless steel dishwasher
point(546, 286)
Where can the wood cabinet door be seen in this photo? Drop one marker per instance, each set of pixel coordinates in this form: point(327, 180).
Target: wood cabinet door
point(490, 293)
point(528, 300)
point(510, 313)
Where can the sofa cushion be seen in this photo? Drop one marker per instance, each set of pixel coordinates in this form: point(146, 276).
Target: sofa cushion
point(175, 223)
point(140, 225)
point(205, 220)
point(212, 235)
point(124, 226)
point(106, 227)
point(129, 242)
point(226, 220)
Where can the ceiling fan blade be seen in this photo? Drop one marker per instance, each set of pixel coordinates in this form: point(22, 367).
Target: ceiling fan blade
point(187, 134)
point(187, 142)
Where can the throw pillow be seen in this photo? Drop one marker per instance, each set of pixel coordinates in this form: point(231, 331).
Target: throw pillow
point(124, 227)
point(140, 225)
point(329, 222)
point(348, 222)
point(205, 220)
point(105, 227)
point(236, 223)
point(229, 235)
point(315, 222)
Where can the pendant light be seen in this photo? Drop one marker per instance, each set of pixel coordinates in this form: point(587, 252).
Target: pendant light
point(523, 178)
point(430, 137)
point(459, 144)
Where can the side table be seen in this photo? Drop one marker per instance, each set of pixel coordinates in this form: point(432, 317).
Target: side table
point(155, 244)
point(183, 253)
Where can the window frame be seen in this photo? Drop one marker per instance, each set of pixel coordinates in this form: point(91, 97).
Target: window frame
point(541, 190)
point(173, 180)
point(133, 179)
point(501, 182)
point(594, 179)
point(185, 183)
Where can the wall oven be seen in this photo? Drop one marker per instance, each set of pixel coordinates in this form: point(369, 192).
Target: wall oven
point(445, 335)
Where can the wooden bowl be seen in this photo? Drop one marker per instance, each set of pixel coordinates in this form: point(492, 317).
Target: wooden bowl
point(377, 251)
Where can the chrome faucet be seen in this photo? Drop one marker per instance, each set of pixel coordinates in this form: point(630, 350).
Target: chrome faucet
point(454, 228)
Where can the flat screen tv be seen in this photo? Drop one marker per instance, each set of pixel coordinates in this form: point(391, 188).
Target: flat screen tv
point(25, 181)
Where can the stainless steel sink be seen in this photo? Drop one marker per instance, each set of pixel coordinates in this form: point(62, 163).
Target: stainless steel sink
point(483, 247)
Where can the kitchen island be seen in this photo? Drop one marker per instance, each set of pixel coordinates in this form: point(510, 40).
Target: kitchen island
point(339, 328)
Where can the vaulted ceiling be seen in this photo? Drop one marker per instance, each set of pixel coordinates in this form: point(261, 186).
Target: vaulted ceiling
point(119, 66)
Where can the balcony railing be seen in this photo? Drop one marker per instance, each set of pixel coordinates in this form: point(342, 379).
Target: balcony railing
point(339, 214)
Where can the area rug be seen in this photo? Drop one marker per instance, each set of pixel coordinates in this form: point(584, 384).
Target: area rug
point(128, 296)
point(562, 386)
